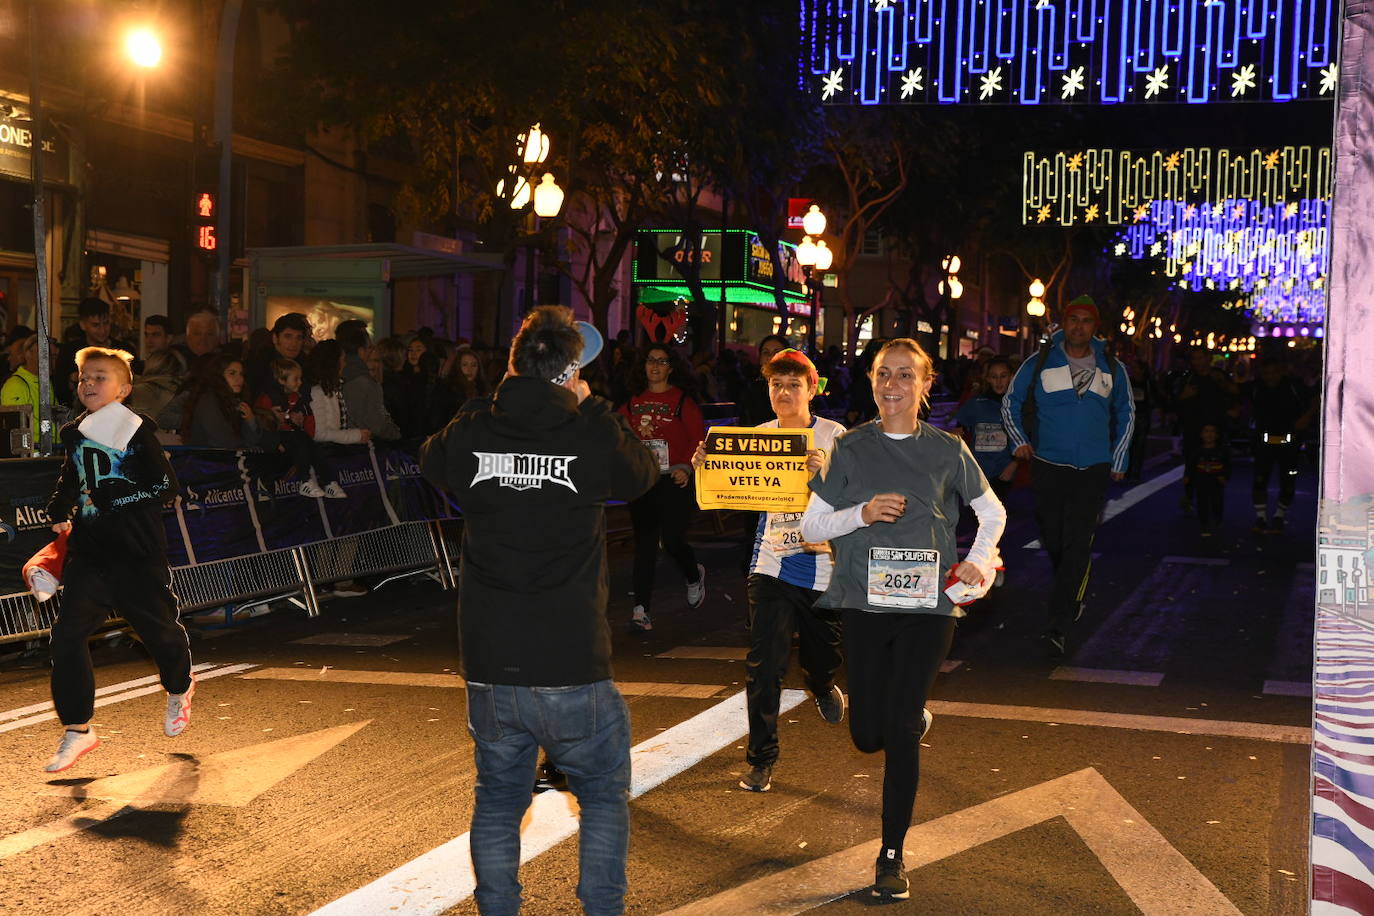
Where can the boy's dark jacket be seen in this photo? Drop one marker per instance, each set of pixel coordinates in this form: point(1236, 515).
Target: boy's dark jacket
point(531, 472)
point(114, 498)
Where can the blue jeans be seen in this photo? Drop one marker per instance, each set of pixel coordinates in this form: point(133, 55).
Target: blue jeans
point(586, 731)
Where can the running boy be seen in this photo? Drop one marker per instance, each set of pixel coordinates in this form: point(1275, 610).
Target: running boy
point(786, 576)
point(296, 430)
point(888, 500)
point(109, 497)
point(1208, 473)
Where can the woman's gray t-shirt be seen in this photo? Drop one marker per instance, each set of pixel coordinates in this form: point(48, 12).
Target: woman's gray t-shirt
point(898, 567)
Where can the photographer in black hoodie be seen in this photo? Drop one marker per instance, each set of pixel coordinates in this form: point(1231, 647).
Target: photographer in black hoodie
point(532, 470)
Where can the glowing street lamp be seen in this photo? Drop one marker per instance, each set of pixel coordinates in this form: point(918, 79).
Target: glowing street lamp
point(1036, 306)
point(142, 46)
point(951, 285)
point(807, 252)
point(813, 223)
point(548, 197)
point(534, 146)
point(824, 256)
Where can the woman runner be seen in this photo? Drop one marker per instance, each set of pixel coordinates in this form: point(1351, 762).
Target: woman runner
point(888, 501)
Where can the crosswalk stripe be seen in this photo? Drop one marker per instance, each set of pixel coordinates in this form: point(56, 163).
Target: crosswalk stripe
point(441, 878)
point(100, 692)
point(1178, 725)
point(1106, 676)
point(328, 675)
point(126, 695)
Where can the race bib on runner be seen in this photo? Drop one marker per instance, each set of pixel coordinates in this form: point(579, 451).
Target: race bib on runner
point(660, 449)
point(898, 577)
point(989, 437)
point(783, 534)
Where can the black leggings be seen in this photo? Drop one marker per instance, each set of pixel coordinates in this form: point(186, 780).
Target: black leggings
point(141, 593)
point(892, 662)
point(662, 514)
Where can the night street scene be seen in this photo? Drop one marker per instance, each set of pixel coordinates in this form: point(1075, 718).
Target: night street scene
point(703, 457)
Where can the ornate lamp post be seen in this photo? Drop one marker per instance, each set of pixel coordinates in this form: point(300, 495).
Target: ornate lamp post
point(547, 196)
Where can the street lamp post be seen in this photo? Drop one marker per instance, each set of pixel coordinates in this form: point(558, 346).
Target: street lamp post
point(815, 257)
point(950, 289)
point(1035, 308)
point(547, 196)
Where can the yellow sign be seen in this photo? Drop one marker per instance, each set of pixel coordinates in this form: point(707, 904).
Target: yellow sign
point(763, 470)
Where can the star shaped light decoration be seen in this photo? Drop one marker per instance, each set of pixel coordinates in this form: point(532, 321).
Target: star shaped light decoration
point(990, 83)
point(881, 4)
point(1271, 160)
point(1242, 79)
point(1120, 249)
point(911, 83)
point(832, 83)
point(1141, 212)
point(1073, 83)
point(1172, 161)
point(1075, 162)
point(1189, 211)
point(1042, 4)
point(1090, 214)
point(1291, 210)
point(1042, 214)
point(1216, 210)
point(1328, 83)
point(1156, 248)
point(1156, 81)
point(1238, 211)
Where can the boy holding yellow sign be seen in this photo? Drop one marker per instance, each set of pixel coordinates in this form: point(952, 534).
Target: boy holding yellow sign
point(786, 575)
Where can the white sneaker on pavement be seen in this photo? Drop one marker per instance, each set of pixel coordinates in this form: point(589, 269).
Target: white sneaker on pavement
point(74, 746)
point(178, 714)
point(639, 621)
point(696, 591)
point(311, 490)
point(334, 491)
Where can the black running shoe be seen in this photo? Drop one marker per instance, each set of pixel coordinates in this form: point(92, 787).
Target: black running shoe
point(889, 877)
point(831, 705)
point(550, 778)
point(1054, 644)
point(758, 779)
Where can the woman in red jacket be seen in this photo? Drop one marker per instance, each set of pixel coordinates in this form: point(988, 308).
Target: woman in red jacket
point(667, 419)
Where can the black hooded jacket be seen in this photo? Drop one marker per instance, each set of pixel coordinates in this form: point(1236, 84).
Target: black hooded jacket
point(531, 472)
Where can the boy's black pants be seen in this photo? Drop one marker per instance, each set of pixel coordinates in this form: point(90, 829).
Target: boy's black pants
point(137, 590)
point(1211, 497)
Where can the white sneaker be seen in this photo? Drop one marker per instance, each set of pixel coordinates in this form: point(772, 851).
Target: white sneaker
point(334, 491)
point(73, 747)
point(696, 591)
point(640, 621)
point(311, 490)
point(926, 719)
point(178, 714)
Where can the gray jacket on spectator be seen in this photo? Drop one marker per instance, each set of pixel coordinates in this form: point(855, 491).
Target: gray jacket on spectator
point(210, 429)
point(363, 398)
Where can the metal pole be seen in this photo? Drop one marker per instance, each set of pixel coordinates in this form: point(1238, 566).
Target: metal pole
point(40, 239)
point(224, 136)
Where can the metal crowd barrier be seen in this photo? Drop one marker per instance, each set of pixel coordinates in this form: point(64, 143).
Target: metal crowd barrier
point(294, 574)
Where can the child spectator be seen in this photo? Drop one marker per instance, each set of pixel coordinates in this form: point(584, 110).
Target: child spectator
point(296, 431)
point(109, 497)
point(216, 414)
point(981, 420)
point(1208, 473)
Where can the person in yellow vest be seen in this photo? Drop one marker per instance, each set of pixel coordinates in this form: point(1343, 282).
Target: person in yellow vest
point(22, 386)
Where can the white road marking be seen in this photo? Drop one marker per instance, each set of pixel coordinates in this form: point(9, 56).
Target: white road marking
point(1258, 731)
point(99, 692)
point(1134, 495)
point(441, 878)
point(421, 679)
point(350, 639)
point(121, 697)
point(1288, 688)
point(1154, 874)
point(1106, 676)
point(228, 778)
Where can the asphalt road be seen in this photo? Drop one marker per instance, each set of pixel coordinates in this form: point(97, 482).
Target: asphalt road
point(1161, 768)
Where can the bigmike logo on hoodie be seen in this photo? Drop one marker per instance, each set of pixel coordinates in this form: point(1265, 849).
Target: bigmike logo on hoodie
point(523, 472)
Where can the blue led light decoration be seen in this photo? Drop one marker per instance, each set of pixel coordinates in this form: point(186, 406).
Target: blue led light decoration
point(1034, 52)
point(1273, 256)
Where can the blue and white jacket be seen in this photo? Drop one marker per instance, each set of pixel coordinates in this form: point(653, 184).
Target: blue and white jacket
point(1073, 431)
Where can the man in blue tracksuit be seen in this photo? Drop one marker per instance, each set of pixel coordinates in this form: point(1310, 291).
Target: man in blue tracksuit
point(1081, 419)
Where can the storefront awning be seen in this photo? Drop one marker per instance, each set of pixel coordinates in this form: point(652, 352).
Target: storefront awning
point(403, 261)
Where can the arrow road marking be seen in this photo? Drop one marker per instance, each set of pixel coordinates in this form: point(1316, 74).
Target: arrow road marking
point(441, 878)
point(229, 778)
point(1155, 875)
